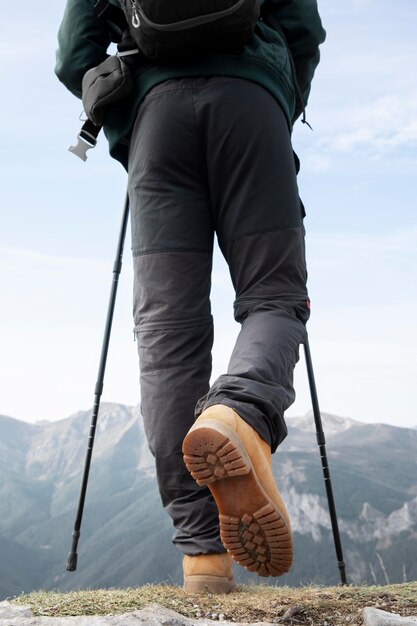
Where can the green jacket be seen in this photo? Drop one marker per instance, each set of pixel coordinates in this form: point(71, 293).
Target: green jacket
point(84, 39)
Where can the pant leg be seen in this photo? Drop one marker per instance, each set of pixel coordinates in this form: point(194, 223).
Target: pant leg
point(172, 240)
point(258, 220)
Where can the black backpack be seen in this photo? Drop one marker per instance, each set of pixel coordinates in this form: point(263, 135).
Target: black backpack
point(166, 30)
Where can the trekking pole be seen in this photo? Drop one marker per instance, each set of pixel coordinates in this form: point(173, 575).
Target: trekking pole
point(72, 557)
point(324, 463)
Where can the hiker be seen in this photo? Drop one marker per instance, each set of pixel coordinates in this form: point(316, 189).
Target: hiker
point(205, 136)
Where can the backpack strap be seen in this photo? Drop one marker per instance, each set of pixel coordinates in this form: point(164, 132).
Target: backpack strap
point(116, 20)
point(86, 139)
point(126, 48)
point(113, 15)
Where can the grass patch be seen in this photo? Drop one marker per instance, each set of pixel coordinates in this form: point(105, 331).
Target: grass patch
point(321, 606)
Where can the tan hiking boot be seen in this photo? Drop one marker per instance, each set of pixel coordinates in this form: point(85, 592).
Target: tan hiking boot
point(208, 573)
point(223, 452)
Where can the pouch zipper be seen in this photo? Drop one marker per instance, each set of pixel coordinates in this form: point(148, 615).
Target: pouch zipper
point(135, 14)
point(138, 14)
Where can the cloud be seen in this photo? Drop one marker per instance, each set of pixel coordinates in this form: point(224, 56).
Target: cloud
point(362, 334)
point(372, 274)
point(54, 292)
point(364, 96)
point(363, 108)
point(362, 330)
point(400, 241)
point(315, 162)
point(53, 315)
point(380, 126)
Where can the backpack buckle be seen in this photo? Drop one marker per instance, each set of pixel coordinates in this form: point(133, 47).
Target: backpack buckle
point(83, 144)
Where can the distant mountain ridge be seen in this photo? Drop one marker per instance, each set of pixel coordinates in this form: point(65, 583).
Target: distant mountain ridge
point(125, 537)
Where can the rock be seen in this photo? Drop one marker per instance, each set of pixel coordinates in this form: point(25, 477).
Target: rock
point(290, 613)
point(7, 610)
point(376, 617)
point(153, 615)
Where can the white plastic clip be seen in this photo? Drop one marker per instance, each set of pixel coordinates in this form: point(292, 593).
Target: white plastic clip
point(82, 145)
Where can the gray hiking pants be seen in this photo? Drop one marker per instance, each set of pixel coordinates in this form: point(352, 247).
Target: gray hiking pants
point(213, 155)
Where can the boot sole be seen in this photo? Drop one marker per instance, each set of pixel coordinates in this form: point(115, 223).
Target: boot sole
point(252, 528)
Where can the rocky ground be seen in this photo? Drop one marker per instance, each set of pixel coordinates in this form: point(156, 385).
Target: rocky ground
point(170, 606)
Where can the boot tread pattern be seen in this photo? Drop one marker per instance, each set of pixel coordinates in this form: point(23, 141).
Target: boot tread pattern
point(260, 542)
point(211, 459)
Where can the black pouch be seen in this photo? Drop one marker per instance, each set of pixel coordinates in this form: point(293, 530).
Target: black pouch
point(166, 31)
point(102, 85)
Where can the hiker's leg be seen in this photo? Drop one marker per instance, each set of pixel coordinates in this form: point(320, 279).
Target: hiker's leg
point(255, 199)
point(172, 239)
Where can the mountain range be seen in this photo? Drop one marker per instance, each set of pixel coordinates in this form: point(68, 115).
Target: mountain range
point(125, 538)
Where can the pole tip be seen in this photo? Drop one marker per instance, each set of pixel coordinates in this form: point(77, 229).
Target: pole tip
point(72, 562)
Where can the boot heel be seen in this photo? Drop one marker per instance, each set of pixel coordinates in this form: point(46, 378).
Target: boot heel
point(211, 455)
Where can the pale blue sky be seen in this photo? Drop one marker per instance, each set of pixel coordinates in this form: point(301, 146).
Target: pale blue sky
point(60, 219)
